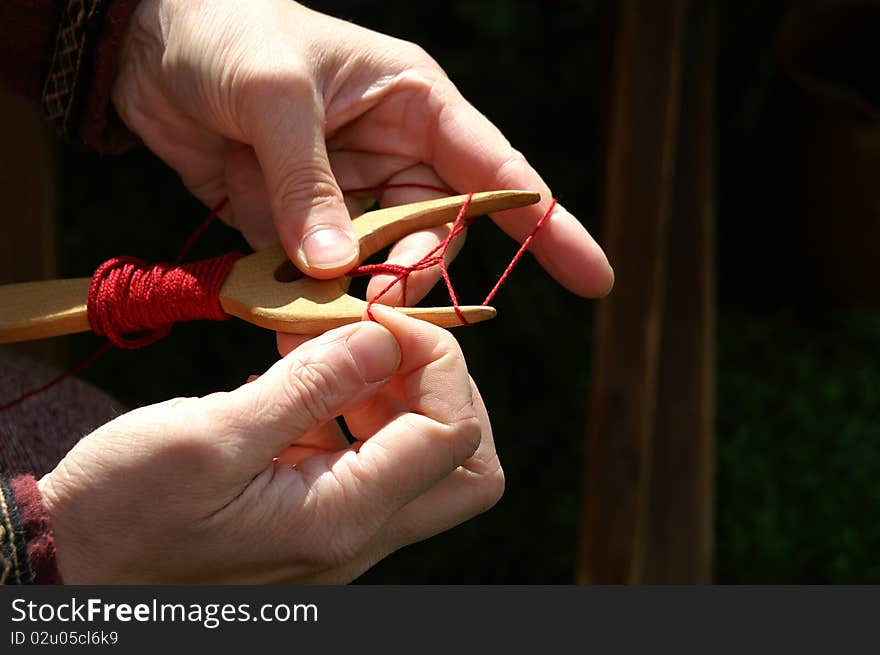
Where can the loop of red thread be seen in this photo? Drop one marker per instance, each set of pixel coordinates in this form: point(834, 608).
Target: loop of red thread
point(437, 257)
point(126, 296)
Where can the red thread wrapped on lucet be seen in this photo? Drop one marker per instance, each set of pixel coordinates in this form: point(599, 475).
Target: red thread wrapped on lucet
point(127, 295)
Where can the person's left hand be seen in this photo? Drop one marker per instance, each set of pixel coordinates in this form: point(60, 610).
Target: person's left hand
point(259, 485)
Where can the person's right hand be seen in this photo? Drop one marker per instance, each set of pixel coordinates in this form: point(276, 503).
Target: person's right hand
point(279, 107)
point(258, 485)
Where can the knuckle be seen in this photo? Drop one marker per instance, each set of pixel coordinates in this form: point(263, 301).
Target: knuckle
point(282, 73)
point(167, 411)
point(193, 442)
point(220, 413)
point(347, 532)
point(178, 430)
point(312, 388)
point(178, 435)
point(262, 81)
point(415, 55)
point(306, 184)
point(512, 165)
point(193, 451)
point(449, 347)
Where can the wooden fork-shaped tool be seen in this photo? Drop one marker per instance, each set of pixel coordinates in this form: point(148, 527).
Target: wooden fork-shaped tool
point(255, 289)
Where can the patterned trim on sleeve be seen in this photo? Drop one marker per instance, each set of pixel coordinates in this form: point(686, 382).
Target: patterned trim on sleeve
point(67, 82)
point(14, 566)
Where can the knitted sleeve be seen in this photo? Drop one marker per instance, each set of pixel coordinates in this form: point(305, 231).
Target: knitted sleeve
point(62, 53)
point(27, 545)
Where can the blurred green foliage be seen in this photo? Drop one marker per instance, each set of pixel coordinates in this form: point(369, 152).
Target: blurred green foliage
point(798, 402)
point(799, 459)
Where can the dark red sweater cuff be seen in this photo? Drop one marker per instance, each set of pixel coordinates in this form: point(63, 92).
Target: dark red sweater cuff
point(100, 127)
point(27, 545)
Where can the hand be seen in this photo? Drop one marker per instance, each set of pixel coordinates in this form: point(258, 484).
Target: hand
point(277, 107)
point(258, 485)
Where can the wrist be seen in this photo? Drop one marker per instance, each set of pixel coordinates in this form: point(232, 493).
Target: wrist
point(72, 568)
point(44, 486)
point(27, 542)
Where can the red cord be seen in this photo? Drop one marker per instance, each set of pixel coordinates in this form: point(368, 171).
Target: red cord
point(519, 253)
point(127, 295)
point(437, 257)
point(191, 240)
point(88, 361)
point(434, 258)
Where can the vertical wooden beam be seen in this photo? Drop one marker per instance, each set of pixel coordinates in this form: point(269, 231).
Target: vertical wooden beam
point(679, 540)
point(27, 222)
point(640, 154)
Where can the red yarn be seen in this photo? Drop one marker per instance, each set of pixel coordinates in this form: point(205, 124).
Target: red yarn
point(127, 295)
point(102, 313)
point(519, 253)
point(434, 258)
point(58, 379)
point(192, 238)
point(437, 257)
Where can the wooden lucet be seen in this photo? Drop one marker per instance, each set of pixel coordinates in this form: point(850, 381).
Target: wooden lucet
point(255, 289)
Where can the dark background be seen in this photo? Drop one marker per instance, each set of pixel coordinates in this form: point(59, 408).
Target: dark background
point(798, 468)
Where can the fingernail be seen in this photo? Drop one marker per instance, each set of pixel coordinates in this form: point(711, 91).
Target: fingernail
point(375, 351)
point(328, 247)
point(611, 285)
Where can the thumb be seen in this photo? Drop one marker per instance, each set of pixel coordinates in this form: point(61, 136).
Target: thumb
point(309, 211)
point(309, 387)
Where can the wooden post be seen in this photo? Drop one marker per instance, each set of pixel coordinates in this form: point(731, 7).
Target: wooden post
point(648, 504)
point(679, 538)
point(642, 128)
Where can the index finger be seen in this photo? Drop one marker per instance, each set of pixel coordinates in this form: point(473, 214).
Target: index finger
point(470, 153)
